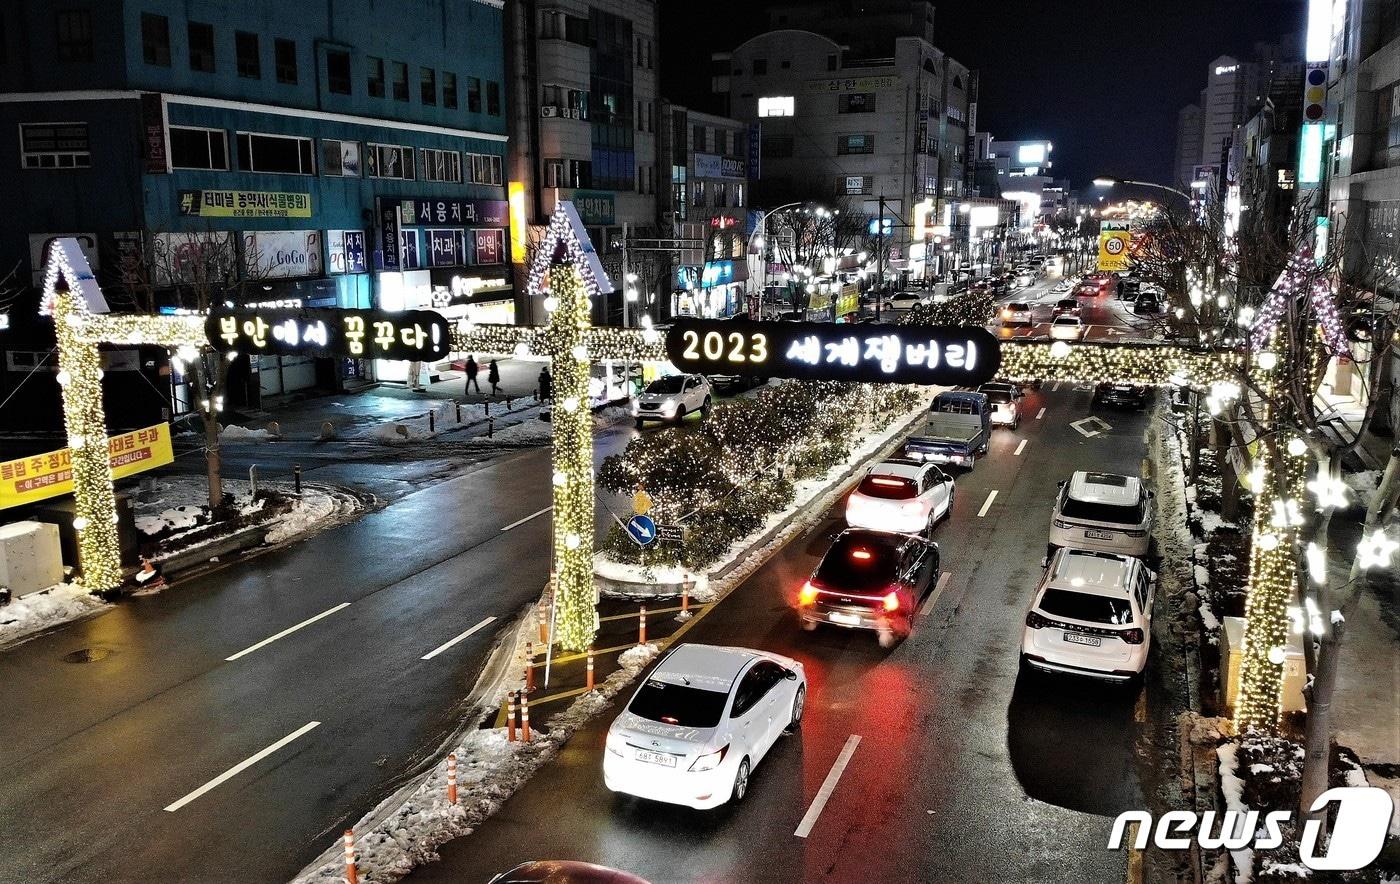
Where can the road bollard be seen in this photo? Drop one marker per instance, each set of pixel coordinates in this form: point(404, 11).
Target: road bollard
point(253, 480)
point(352, 874)
point(685, 594)
point(432, 420)
point(524, 721)
point(590, 670)
point(642, 627)
point(459, 411)
point(544, 628)
point(487, 405)
point(510, 716)
point(452, 779)
point(529, 667)
point(296, 478)
point(509, 400)
point(490, 427)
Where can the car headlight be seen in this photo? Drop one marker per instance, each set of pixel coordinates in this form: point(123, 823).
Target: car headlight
point(669, 406)
point(709, 762)
point(636, 408)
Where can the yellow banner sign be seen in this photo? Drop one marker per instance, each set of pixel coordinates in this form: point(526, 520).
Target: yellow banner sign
point(41, 476)
point(244, 204)
point(1114, 242)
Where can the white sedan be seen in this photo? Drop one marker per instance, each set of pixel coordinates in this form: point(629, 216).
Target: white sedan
point(1066, 328)
point(902, 496)
point(701, 722)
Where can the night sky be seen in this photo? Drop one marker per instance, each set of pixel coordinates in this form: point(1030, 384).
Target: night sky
point(1102, 80)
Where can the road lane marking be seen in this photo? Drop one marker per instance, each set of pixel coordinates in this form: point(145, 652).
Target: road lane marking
point(1055, 388)
point(452, 641)
point(242, 766)
point(1040, 414)
point(1090, 427)
point(1021, 447)
point(937, 589)
point(286, 632)
point(809, 820)
point(991, 496)
point(520, 522)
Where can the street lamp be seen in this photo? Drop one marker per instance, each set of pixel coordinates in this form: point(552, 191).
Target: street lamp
point(1107, 182)
point(759, 239)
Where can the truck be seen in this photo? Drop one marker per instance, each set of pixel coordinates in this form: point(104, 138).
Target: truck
point(956, 432)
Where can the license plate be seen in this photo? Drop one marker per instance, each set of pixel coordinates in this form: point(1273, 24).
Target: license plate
point(660, 758)
point(1092, 641)
point(1099, 535)
point(844, 619)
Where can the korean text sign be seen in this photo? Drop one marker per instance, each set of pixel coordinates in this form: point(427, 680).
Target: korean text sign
point(41, 476)
point(821, 351)
point(359, 334)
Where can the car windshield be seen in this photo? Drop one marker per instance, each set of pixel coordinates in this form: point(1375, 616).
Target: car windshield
point(857, 564)
point(1086, 606)
point(1095, 511)
point(997, 397)
point(1068, 304)
point(666, 386)
point(1019, 307)
point(678, 704)
point(888, 487)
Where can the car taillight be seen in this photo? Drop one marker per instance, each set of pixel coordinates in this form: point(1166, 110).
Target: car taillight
point(709, 762)
point(1060, 524)
point(917, 507)
point(808, 595)
point(1136, 533)
point(1131, 636)
point(1035, 621)
point(892, 601)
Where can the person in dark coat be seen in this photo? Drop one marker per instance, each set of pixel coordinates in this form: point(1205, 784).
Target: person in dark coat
point(493, 376)
point(546, 385)
point(472, 369)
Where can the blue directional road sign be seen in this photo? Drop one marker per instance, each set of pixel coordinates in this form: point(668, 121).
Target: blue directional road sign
point(642, 530)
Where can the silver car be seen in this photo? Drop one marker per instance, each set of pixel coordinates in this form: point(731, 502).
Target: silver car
point(1102, 512)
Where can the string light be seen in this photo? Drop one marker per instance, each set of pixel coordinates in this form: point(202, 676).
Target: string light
point(1375, 550)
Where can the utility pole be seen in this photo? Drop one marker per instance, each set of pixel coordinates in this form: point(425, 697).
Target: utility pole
point(626, 275)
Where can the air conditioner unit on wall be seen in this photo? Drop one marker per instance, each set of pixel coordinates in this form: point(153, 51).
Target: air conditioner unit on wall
point(549, 110)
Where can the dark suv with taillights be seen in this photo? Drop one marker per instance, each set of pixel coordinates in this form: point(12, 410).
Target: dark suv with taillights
point(870, 580)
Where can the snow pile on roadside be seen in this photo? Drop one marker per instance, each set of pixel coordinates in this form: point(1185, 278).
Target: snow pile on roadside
point(175, 518)
point(1232, 787)
point(235, 433)
point(608, 569)
point(317, 503)
point(40, 610)
point(489, 770)
point(530, 431)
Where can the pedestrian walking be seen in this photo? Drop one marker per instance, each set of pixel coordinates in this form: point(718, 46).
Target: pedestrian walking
point(472, 370)
point(493, 376)
point(546, 385)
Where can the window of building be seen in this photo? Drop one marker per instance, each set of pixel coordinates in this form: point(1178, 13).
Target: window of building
point(427, 86)
point(553, 173)
point(286, 154)
point(485, 168)
point(760, 67)
point(1386, 136)
point(785, 64)
point(155, 39)
point(777, 146)
point(831, 62)
point(643, 53)
point(558, 25)
point(1390, 22)
point(201, 39)
point(697, 193)
point(856, 103)
point(449, 90)
point(442, 165)
point(399, 72)
point(859, 143)
point(474, 95)
point(74, 28)
point(568, 173)
point(717, 193)
point(340, 158)
point(678, 192)
point(374, 82)
point(390, 161)
point(192, 148)
point(698, 141)
point(285, 58)
point(54, 146)
point(739, 195)
point(338, 71)
point(853, 184)
point(776, 105)
point(245, 51)
point(493, 98)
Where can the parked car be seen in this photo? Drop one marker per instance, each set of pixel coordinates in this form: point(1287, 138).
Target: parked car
point(1005, 402)
point(1017, 313)
point(701, 722)
point(1120, 395)
point(671, 398)
point(900, 495)
point(564, 871)
point(870, 580)
point(1147, 304)
point(957, 430)
point(1066, 327)
point(1091, 615)
point(1065, 307)
point(1104, 512)
point(903, 301)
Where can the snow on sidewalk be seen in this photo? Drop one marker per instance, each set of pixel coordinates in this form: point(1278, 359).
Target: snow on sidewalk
point(38, 611)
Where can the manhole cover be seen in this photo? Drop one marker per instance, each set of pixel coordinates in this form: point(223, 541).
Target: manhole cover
point(86, 655)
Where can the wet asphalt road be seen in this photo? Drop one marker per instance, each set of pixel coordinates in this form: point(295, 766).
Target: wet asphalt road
point(965, 772)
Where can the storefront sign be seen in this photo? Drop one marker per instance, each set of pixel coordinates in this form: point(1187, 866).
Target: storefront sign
point(708, 165)
point(594, 206)
point(346, 249)
point(199, 256)
point(425, 212)
point(717, 273)
point(244, 204)
point(820, 351)
point(445, 248)
point(852, 84)
point(279, 254)
point(755, 150)
point(490, 247)
point(153, 133)
point(41, 476)
point(368, 334)
point(1114, 242)
point(408, 250)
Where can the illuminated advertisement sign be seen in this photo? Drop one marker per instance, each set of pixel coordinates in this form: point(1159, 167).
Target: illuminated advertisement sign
point(420, 335)
point(822, 351)
point(1030, 155)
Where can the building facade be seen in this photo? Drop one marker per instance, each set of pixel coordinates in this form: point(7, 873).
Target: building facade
point(328, 159)
point(1188, 145)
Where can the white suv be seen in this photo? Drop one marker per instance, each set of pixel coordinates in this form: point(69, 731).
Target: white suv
point(900, 495)
point(1105, 512)
point(672, 398)
point(1091, 615)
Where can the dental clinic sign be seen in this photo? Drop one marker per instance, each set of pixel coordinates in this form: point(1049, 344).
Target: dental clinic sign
point(823, 351)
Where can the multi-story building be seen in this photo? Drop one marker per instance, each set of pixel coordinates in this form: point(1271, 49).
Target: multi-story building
point(1363, 196)
point(858, 106)
point(339, 153)
point(1188, 145)
point(1264, 164)
point(584, 125)
point(1234, 90)
point(706, 158)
